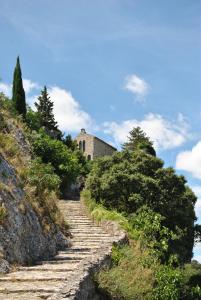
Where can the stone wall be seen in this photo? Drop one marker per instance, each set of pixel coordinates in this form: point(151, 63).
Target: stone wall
point(89, 144)
point(101, 148)
point(22, 237)
point(92, 146)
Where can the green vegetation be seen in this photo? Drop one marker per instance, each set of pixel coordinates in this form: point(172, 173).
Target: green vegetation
point(137, 140)
point(45, 114)
point(156, 208)
point(63, 159)
point(46, 140)
point(18, 91)
point(129, 180)
point(140, 270)
point(49, 163)
point(151, 203)
point(42, 186)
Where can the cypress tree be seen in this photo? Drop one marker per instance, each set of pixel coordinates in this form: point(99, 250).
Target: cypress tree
point(45, 110)
point(18, 90)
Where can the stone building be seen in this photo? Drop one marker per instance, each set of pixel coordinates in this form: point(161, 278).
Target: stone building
point(92, 146)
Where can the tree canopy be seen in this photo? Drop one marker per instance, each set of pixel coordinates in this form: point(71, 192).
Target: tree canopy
point(138, 140)
point(129, 180)
point(18, 90)
point(45, 114)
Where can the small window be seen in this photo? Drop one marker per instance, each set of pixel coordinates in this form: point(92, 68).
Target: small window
point(89, 157)
point(80, 145)
point(83, 146)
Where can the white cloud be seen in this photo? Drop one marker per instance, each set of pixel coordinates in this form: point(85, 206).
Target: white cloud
point(197, 252)
point(29, 86)
point(198, 258)
point(163, 133)
point(67, 110)
point(137, 86)
point(6, 88)
point(198, 209)
point(190, 161)
point(197, 190)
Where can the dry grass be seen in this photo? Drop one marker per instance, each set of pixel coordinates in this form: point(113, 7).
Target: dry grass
point(130, 279)
point(47, 210)
point(46, 206)
point(3, 214)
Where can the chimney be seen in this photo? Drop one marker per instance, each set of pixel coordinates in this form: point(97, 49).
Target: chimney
point(83, 131)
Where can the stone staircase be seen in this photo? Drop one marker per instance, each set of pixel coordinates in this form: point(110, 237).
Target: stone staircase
point(62, 277)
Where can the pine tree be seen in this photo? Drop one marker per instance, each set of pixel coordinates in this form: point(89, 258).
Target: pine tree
point(137, 140)
point(18, 90)
point(45, 110)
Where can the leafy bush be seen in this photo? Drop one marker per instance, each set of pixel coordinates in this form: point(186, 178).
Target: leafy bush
point(33, 120)
point(41, 186)
point(129, 278)
point(168, 282)
point(64, 160)
point(41, 177)
point(138, 270)
point(129, 180)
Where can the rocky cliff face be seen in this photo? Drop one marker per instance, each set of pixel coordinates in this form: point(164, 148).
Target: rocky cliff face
point(22, 237)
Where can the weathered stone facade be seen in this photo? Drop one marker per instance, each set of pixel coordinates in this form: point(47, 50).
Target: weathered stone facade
point(92, 146)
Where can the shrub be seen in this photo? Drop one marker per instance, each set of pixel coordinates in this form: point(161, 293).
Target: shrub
point(129, 278)
point(129, 180)
point(63, 160)
point(41, 186)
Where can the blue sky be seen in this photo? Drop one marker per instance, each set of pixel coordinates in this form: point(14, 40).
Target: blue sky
point(111, 65)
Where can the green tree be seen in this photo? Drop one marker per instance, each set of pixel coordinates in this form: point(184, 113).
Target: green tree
point(33, 119)
point(70, 143)
point(137, 140)
point(18, 90)
point(45, 112)
point(64, 160)
point(130, 179)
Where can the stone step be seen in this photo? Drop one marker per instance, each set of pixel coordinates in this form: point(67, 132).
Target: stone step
point(78, 221)
point(34, 287)
point(85, 237)
point(91, 240)
point(36, 275)
point(25, 296)
point(76, 249)
point(58, 267)
point(42, 280)
point(83, 226)
point(81, 230)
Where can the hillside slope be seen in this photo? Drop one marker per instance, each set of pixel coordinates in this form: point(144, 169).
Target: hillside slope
point(23, 236)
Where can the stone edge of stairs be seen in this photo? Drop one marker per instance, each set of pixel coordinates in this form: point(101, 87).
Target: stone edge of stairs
point(80, 284)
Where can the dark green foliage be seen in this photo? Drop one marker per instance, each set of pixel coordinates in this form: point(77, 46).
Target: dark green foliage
point(70, 143)
point(129, 180)
point(33, 119)
point(42, 177)
point(198, 233)
point(191, 281)
point(137, 140)
point(63, 160)
point(18, 91)
point(45, 114)
point(151, 232)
